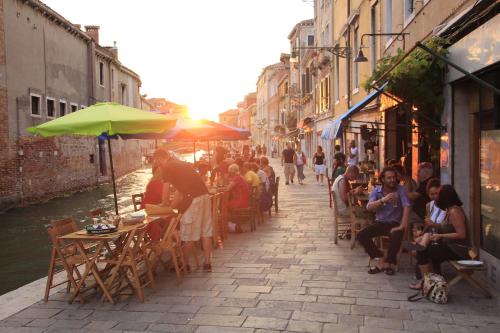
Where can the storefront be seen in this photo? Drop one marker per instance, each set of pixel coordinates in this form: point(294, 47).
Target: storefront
point(472, 142)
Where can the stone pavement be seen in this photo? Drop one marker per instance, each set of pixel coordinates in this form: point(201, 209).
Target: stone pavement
point(287, 276)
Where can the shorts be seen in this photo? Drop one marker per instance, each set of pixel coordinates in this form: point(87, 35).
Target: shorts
point(196, 222)
point(319, 169)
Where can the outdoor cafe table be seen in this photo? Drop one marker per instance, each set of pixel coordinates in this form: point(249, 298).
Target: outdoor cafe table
point(121, 238)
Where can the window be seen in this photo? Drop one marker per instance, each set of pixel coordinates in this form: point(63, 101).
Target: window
point(337, 79)
point(35, 105)
point(325, 95)
point(355, 72)
point(101, 73)
point(51, 107)
point(123, 94)
point(408, 8)
point(74, 107)
point(62, 108)
point(388, 18)
point(310, 40)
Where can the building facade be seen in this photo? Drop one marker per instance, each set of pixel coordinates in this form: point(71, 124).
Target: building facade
point(161, 105)
point(50, 67)
point(230, 117)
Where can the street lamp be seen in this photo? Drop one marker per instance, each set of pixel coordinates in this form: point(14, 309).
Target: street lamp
point(360, 57)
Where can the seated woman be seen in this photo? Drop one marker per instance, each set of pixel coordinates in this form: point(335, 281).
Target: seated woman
point(239, 192)
point(449, 240)
point(157, 193)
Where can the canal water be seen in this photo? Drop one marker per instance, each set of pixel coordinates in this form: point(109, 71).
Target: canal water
point(24, 243)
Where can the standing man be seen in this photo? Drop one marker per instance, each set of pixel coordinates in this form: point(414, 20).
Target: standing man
point(192, 200)
point(420, 197)
point(287, 161)
point(392, 212)
point(353, 154)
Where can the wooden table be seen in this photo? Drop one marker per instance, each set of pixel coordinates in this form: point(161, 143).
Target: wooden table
point(117, 240)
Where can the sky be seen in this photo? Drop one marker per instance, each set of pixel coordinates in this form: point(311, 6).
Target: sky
point(207, 54)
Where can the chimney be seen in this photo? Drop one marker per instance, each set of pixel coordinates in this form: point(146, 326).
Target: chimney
point(78, 26)
point(93, 31)
point(114, 50)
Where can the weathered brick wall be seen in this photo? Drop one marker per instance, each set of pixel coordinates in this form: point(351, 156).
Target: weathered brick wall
point(127, 155)
point(52, 166)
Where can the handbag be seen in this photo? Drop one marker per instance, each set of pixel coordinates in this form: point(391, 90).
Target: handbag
point(434, 288)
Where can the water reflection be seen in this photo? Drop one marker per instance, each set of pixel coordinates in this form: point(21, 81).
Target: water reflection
point(24, 242)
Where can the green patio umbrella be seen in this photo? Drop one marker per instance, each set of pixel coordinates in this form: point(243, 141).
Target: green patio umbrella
point(108, 119)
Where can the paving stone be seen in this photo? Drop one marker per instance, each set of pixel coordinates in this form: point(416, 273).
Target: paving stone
point(336, 300)
point(348, 319)
point(267, 312)
point(391, 295)
point(290, 298)
point(236, 294)
point(378, 302)
point(446, 328)
point(432, 316)
point(73, 314)
point(36, 313)
point(339, 328)
point(41, 322)
point(220, 329)
point(191, 308)
point(326, 308)
point(101, 325)
point(366, 310)
point(15, 322)
point(370, 329)
point(383, 322)
point(325, 291)
point(283, 305)
point(22, 329)
point(254, 289)
point(304, 326)
point(221, 310)
point(360, 293)
point(421, 326)
point(66, 323)
point(171, 328)
point(315, 316)
point(131, 326)
point(324, 284)
point(217, 320)
point(251, 282)
point(267, 323)
point(171, 318)
point(224, 287)
point(397, 314)
point(238, 302)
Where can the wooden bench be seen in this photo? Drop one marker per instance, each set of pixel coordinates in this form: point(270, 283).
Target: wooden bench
point(465, 273)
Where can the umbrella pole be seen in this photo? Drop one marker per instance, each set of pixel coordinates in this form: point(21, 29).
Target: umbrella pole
point(209, 159)
point(112, 175)
point(194, 152)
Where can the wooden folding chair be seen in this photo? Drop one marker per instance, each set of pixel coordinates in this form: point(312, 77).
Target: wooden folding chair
point(330, 184)
point(357, 222)
point(340, 223)
point(242, 216)
point(275, 196)
point(137, 201)
point(169, 243)
point(131, 267)
point(63, 255)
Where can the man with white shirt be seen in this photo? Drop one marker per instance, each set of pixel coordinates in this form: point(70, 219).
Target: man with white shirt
point(353, 154)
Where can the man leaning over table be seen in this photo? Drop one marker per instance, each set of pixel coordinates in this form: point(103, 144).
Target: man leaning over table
point(392, 211)
point(192, 200)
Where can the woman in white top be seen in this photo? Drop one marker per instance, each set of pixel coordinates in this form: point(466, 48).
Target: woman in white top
point(299, 160)
point(434, 214)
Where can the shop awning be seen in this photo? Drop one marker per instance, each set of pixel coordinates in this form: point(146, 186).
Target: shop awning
point(334, 129)
point(360, 105)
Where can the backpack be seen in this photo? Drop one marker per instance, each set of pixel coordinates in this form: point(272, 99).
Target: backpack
point(434, 288)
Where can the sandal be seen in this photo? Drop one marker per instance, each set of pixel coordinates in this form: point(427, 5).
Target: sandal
point(389, 271)
point(375, 270)
point(416, 286)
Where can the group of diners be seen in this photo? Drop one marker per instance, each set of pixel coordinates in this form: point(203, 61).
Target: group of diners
point(432, 211)
point(190, 185)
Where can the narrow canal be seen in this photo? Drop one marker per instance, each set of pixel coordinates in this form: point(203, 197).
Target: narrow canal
point(24, 243)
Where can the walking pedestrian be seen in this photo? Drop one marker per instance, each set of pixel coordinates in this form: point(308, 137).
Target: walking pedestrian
point(300, 160)
point(319, 165)
point(287, 161)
